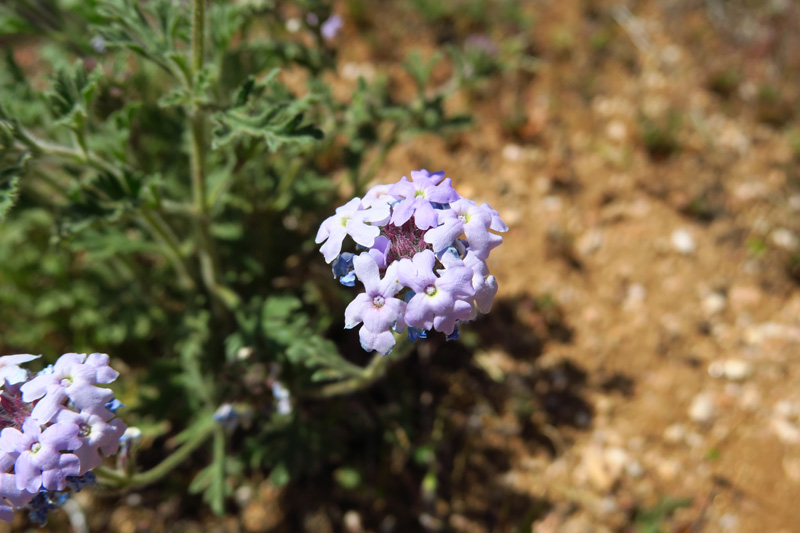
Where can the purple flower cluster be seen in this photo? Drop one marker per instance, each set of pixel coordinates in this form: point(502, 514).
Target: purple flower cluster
point(422, 260)
point(55, 426)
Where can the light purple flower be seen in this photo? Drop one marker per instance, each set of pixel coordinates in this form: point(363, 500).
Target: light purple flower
point(73, 376)
point(465, 216)
point(417, 197)
point(377, 307)
point(438, 301)
point(378, 195)
point(40, 462)
point(97, 433)
point(9, 491)
point(9, 369)
point(350, 219)
point(331, 27)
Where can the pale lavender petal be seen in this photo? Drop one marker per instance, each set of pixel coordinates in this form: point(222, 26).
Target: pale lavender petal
point(13, 441)
point(390, 285)
point(8, 490)
point(418, 314)
point(383, 318)
point(382, 342)
point(67, 361)
point(361, 233)
point(6, 513)
point(497, 222)
point(446, 233)
point(379, 251)
point(484, 297)
point(367, 272)
point(18, 359)
point(378, 195)
point(89, 458)
point(377, 216)
point(86, 396)
point(48, 407)
point(37, 387)
point(7, 460)
point(425, 215)
point(28, 475)
point(324, 229)
point(354, 313)
point(333, 245)
point(403, 211)
point(110, 442)
point(457, 281)
point(443, 193)
point(61, 436)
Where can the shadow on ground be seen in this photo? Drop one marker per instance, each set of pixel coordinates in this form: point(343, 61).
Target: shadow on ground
point(427, 448)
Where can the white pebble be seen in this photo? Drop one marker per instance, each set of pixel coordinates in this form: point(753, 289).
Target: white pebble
point(702, 408)
point(785, 409)
point(736, 369)
point(729, 522)
point(683, 241)
point(634, 469)
point(352, 522)
point(635, 297)
point(785, 239)
point(713, 303)
point(787, 432)
point(293, 25)
point(512, 152)
point(674, 433)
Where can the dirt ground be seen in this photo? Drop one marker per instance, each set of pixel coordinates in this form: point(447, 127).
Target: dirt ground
point(672, 259)
point(649, 172)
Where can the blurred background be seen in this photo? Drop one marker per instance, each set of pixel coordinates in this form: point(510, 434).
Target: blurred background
point(639, 369)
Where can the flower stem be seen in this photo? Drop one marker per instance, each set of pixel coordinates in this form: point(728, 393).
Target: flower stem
point(117, 479)
point(372, 373)
point(209, 259)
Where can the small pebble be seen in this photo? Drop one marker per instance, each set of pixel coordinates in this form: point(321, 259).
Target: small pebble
point(713, 303)
point(674, 433)
point(683, 241)
point(695, 440)
point(702, 408)
point(736, 369)
point(787, 432)
point(512, 152)
point(634, 469)
point(635, 297)
point(352, 522)
point(785, 239)
point(729, 522)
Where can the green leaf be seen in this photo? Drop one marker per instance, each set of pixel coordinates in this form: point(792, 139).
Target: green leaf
point(71, 95)
point(10, 174)
point(265, 110)
point(279, 475)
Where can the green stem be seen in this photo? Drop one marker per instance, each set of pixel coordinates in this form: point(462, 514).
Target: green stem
point(117, 479)
point(372, 373)
point(164, 233)
point(209, 260)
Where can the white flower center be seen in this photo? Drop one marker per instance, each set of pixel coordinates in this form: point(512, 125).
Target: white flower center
point(35, 447)
point(378, 301)
point(430, 290)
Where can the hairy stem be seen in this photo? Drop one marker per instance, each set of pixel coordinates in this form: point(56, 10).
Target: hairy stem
point(210, 269)
point(370, 374)
point(117, 479)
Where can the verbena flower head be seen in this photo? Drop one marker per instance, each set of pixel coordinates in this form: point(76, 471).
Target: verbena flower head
point(421, 252)
point(54, 426)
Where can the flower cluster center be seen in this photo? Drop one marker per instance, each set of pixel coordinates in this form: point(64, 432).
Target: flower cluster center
point(405, 241)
